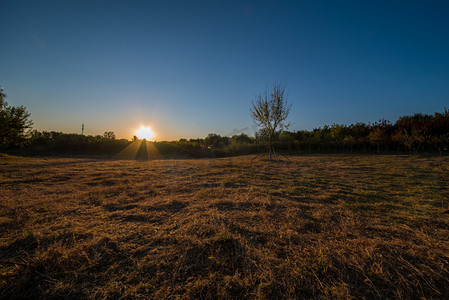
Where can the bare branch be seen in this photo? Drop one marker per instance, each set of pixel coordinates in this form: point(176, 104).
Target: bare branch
point(271, 110)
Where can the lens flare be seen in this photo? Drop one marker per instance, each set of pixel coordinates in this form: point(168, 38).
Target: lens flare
point(145, 133)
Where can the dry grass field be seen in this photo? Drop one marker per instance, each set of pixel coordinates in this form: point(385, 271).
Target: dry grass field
point(325, 226)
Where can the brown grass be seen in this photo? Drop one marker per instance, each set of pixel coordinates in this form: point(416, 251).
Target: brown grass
point(312, 227)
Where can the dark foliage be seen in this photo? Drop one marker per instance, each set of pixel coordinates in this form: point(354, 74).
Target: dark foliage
point(417, 133)
point(14, 123)
point(409, 134)
point(53, 143)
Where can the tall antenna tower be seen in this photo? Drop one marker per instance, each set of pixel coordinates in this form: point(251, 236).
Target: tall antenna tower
point(82, 129)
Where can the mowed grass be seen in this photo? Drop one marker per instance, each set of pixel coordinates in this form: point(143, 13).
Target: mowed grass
point(329, 226)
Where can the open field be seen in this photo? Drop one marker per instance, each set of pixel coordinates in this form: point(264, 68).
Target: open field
point(312, 227)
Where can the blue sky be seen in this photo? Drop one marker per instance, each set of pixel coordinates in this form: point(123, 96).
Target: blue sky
point(189, 68)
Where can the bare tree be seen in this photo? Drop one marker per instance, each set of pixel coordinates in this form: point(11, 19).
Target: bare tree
point(270, 112)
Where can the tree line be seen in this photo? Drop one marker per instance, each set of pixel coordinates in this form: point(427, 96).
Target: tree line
point(409, 134)
point(412, 134)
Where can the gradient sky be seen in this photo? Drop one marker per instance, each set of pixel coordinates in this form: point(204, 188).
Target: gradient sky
point(189, 68)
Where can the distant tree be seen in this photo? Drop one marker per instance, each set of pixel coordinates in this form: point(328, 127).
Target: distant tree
point(270, 112)
point(287, 139)
point(377, 137)
point(197, 143)
point(337, 135)
point(349, 142)
point(110, 135)
point(241, 139)
point(14, 121)
point(2, 97)
point(215, 141)
point(412, 140)
point(441, 142)
point(262, 136)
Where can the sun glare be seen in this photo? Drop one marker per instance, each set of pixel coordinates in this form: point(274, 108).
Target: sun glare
point(145, 133)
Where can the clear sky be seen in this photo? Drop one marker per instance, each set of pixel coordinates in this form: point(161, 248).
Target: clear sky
point(189, 68)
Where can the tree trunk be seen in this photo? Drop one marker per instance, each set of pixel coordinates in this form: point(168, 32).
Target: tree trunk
point(269, 146)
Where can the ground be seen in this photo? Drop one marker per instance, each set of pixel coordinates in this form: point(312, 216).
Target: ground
point(323, 226)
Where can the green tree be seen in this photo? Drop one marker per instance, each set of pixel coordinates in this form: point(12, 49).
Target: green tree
point(287, 139)
point(377, 137)
point(241, 139)
point(215, 141)
point(14, 122)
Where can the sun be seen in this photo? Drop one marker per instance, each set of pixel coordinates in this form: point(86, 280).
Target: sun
point(145, 133)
